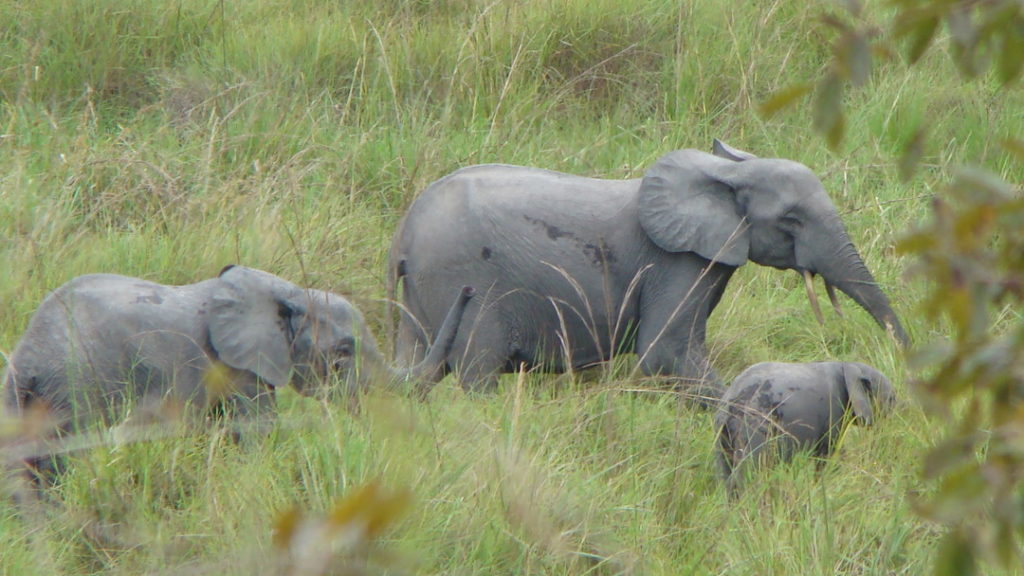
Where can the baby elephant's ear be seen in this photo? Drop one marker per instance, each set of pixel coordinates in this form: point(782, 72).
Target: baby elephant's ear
point(856, 389)
point(251, 318)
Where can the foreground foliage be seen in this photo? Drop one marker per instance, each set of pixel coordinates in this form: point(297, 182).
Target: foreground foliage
point(972, 251)
point(167, 140)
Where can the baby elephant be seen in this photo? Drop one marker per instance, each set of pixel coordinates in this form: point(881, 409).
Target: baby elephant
point(774, 409)
point(102, 343)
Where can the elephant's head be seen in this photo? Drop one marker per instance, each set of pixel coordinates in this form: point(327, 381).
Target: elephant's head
point(866, 388)
point(731, 207)
point(308, 338)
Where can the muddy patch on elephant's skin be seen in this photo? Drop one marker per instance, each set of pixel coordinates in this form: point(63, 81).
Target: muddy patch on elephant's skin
point(768, 404)
point(742, 399)
point(553, 232)
point(599, 254)
point(741, 405)
point(149, 297)
point(756, 398)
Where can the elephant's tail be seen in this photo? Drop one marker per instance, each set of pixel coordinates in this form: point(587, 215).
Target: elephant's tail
point(395, 274)
point(410, 339)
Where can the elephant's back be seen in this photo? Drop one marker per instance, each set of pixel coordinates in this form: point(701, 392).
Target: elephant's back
point(516, 205)
point(56, 347)
point(96, 314)
point(797, 399)
point(501, 223)
point(125, 303)
point(482, 189)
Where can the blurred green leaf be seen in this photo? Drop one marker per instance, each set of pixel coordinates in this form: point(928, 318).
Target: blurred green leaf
point(971, 227)
point(1010, 54)
point(950, 454)
point(784, 98)
point(1015, 146)
point(959, 308)
point(961, 27)
point(956, 556)
point(982, 186)
point(854, 7)
point(859, 59)
point(1005, 544)
point(285, 527)
point(372, 507)
point(972, 254)
point(828, 109)
point(916, 242)
point(960, 493)
point(832, 21)
point(913, 151)
point(921, 33)
point(834, 136)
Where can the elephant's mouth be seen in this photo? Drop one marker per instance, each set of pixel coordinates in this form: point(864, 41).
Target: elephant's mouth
point(857, 283)
point(812, 296)
point(325, 376)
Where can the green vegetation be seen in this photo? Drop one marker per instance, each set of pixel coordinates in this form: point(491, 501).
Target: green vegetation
point(971, 252)
point(165, 140)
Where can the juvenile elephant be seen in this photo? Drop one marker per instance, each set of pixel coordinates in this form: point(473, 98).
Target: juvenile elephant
point(103, 342)
point(571, 270)
point(773, 409)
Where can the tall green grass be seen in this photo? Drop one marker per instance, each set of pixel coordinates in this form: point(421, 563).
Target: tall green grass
point(165, 140)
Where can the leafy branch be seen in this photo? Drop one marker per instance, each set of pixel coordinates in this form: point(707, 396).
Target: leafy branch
point(983, 35)
point(972, 253)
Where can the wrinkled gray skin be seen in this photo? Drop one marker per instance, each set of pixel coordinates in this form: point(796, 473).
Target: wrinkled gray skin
point(774, 409)
point(103, 342)
point(570, 270)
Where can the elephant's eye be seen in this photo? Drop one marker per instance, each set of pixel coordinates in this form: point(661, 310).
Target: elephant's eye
point(790, 223)
point(345, 348)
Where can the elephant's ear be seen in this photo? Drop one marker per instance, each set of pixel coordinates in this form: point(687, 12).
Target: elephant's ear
point(252, 320)
point(723, 150)
point(685, 206)
point(857, 391)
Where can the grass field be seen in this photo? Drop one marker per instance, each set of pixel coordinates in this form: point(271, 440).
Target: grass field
point(167, 139)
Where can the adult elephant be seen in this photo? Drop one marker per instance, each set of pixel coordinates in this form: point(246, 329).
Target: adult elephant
point(102, 343)
point(571, 270)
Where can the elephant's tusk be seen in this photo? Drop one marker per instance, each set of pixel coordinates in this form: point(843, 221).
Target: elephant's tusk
point(809, 282)
point(835, 299)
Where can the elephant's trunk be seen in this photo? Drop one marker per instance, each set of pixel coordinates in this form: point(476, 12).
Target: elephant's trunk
point(847, 272)
point(431, 368)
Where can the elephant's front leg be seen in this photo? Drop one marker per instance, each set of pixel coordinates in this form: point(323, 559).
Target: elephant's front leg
point(683, 360)
point(670, 338)
point(250, 411)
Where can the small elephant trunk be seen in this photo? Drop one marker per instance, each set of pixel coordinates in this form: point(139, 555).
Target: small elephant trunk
point(431, 368)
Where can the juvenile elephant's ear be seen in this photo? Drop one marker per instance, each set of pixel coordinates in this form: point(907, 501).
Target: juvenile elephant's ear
point(857, 391)
point(684, 206)
point(251, 318)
